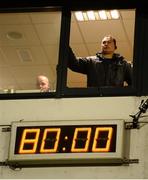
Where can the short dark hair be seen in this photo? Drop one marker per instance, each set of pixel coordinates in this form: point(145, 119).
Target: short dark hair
point(113, 39)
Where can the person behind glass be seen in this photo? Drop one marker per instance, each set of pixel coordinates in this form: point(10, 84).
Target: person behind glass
point(43, 83)
point(106, 68)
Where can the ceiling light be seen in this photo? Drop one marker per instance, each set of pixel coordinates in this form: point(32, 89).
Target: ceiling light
point(91, 15)
point(79, 16)
point(25, 55)
point(114, 14)
point(14, 35)
point(108, 15)
point(85, 16)
point(102, 15)
point(97, 15)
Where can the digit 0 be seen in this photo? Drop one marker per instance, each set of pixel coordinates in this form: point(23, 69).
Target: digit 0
point(102, 144)
point(50, 145)
point(80, 142)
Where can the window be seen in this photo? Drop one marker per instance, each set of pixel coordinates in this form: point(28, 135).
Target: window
point(86, 36)
point(85, 40)
point(29, 46)
point(37, 42)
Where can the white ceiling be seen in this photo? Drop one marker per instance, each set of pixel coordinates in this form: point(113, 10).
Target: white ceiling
point(39, 45)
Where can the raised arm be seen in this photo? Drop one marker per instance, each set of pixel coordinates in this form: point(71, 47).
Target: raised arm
point(77, 64)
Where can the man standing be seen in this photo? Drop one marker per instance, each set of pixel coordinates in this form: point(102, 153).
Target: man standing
point(106, 68)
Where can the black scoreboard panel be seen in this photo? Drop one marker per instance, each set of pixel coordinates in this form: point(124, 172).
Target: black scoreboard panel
point(67, 142)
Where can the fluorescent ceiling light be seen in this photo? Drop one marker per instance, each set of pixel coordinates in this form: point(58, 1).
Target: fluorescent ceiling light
point(97, 15)
point(85, 16)
point(91, 15)
point(102, 15)
point(79, 16)
point(114, 14)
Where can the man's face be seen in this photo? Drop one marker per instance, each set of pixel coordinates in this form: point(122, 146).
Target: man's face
point(107, 45)
point(43, 84)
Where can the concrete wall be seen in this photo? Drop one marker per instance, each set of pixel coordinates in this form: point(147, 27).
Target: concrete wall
point(76, 109)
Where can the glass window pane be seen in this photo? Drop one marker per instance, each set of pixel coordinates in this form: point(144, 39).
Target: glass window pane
point(87, 32)
point(29, 46)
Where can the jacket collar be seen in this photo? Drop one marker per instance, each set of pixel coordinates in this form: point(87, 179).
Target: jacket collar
point(115, 56)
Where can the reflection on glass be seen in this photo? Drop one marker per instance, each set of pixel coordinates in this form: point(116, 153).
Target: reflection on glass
point(29, 46)
point(86, 37)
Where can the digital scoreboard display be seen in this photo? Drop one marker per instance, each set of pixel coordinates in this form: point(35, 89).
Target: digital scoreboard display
point(66, 142)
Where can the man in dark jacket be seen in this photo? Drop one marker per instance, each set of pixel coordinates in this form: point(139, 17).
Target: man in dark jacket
point(106, 68)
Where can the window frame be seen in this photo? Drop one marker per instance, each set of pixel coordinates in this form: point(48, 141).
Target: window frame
point(140, 87)
point(31, 95)
point(102, 91)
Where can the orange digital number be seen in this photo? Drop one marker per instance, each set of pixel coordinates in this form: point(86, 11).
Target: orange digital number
point(96, 141)
point(54, 140)
point(83, 141)
point(31, 142)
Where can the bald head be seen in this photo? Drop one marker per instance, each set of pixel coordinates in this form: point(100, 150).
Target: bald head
point(43, 83)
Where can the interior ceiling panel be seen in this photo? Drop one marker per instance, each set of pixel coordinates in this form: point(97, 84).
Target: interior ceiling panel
point(15, 58)
point(44, 18)
point(8, 78)
point(48, 34)
point(14, 18)
point(29, 36)
point(29, 74)
point(3, 60)
point(51, 52)
point(38, 33)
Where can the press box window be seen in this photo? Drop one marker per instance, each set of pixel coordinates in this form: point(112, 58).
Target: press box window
point(29, 47)
point(87, 29)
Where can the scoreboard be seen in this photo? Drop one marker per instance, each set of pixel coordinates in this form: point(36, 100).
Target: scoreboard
point(66, 142)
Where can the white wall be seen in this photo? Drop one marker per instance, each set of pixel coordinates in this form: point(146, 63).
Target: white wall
point(76, 109)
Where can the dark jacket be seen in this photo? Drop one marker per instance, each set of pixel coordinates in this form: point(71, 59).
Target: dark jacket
point(101, 71)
